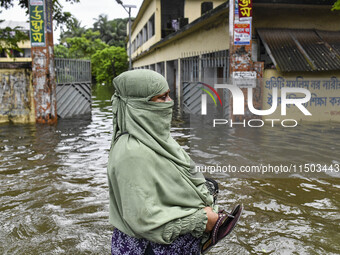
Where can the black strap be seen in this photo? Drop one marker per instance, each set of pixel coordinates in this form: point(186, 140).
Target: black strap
point(124, 133)
point(149, 250)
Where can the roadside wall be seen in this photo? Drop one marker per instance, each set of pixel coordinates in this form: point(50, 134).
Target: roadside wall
point(16, 96)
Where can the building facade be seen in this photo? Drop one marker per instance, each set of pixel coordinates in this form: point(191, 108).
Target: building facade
point(298, 43)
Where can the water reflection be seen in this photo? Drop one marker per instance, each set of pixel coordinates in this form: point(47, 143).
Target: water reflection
point(54, 197)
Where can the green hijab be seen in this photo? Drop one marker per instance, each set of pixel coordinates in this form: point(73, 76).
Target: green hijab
point(152, 180)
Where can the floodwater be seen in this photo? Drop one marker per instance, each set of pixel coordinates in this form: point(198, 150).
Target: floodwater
point(54, 194)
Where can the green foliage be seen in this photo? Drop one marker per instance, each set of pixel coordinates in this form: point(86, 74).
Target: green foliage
point(99, 44)
point(75, 29)
point(108, 63)
point(10, 37)
point(336, 6)
point(60, 51)
point(112, 32)
point(104, 44)
point(84, 46)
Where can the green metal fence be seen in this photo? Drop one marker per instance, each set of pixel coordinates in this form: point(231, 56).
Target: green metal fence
point(72, 70)
point(73, 87)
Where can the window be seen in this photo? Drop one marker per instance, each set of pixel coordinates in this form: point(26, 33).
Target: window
point(17, 54)
point(140, 39)
point(3, 54)
point(145, 33)
point(151, 25)
point(27, 53)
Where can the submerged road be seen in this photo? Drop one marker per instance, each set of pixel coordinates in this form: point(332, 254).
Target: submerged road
point(54, 194)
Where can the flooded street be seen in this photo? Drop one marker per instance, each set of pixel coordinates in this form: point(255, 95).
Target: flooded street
point(54, 193)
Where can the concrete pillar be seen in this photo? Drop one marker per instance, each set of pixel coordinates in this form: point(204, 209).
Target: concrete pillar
point(165, 70)
point(171, 76)
point(200, 69)
point(43, 71)
point(179, 81)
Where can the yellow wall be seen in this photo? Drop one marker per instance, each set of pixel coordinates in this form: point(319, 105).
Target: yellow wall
point(25, 44)
point(210, 38)
point(8, 59)
point(152, 8)
point(321, 109)
point(22, 45)
point(192, 8)
point(296, 17)
point(16, 96)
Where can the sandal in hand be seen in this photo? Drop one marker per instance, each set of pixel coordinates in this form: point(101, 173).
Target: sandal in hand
point(224, 225)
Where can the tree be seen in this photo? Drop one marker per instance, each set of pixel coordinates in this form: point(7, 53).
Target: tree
point(84, 46)
point(75, 29)
point(60, 51)
point(112, 32)
point(108, 63)
point(10, 37)
point(103, 26)
point(119, 32)
point(336, 6)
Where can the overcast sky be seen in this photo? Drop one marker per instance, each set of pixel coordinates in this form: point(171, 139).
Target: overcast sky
point(85, 11)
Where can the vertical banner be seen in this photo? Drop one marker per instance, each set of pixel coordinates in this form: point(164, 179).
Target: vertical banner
point(37, 23)
point(48, 12)
point(236, 10)
point(245, 9)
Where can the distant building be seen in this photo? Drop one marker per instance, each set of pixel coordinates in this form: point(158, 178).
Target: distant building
point(17, 56)
point(170, 36)
point(188, 40)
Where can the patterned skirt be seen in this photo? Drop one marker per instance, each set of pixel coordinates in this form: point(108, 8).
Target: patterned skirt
point(123, 244)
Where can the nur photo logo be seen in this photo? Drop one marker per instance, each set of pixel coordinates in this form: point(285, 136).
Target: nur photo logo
point(239, 102)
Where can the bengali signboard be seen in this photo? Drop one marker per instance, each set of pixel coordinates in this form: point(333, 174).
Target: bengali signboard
point(324, 103)
point(245, 9)
point(242, 32)
point(37, 23)
point(244, 79)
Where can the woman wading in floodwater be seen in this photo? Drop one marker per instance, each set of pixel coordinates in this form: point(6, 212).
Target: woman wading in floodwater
point(158, 203)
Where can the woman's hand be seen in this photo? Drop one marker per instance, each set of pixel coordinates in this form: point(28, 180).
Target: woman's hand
point(212, 218)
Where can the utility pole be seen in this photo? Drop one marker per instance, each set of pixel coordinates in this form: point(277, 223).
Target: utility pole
point(43, 71)
point(127, 8)
point(240, 49)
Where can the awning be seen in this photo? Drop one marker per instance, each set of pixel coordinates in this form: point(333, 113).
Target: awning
point(299, 50)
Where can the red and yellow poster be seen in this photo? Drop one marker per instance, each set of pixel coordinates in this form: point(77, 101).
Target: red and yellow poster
point(242, 33)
